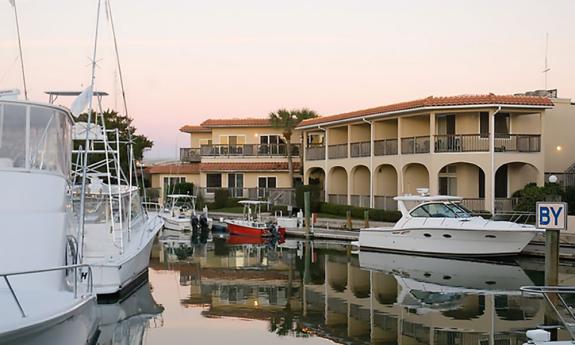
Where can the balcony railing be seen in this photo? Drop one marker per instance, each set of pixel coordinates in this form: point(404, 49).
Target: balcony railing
point(462, 143)
point(340, 199)
point(252, 150)
point(190, 155)
point(337, 151)
point(517, 142)
point(385, 147)
point(361, 149)
point(359, 200)
point(315, 153)
point(474, 204)
point(413, 145)
point(385, 203)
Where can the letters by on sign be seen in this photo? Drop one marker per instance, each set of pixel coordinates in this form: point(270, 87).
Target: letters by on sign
point(552, 215)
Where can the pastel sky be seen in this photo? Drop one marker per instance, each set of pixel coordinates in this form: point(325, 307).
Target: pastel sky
point(186, 61)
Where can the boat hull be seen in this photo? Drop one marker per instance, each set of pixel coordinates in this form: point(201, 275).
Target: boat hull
point(447, 242)
point(244, 230)
point(178, 224)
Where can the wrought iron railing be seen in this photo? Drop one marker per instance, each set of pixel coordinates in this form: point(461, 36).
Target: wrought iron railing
point(361, 149)
point(340, 199)
point(461, 143)
point(315, 152)
point(359, 200)
point(188, 154)
point(413, 145)
point(251, 150)
point(337, 151)
point(385, 147)
point(517, 142)
point(383, 202)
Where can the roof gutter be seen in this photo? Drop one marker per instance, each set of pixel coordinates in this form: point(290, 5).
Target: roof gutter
point(413, 110)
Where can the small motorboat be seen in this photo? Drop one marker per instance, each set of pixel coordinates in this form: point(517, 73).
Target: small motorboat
point(178, 213)
point(441, 226)
point(251, 224)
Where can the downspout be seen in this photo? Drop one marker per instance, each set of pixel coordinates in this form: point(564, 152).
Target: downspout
point(371, 173)
point(325, 179)
point(492, 150)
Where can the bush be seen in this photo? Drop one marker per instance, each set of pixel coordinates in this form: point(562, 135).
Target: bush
point(315, 196)
point(531, 194)
point(358, 212)
point(278, 208)
point(221, 198)
point(183, 188)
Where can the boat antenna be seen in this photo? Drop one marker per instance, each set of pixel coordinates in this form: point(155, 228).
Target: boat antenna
point(88, 125)
point(119, 66)
point(13, 3)
point(547, 68)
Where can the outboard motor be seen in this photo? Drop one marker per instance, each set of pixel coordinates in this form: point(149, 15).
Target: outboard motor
point(204, 228)
point(195, 225)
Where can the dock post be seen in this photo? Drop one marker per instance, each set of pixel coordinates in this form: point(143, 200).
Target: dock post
point(366, 219)
point(307, 211)
point(348, 222)
point(552, 275)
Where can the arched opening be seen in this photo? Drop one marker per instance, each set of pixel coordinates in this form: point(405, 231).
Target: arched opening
point(415, 176)
point(338, 186)
point(385, 184)
point(510, 178)
point(466, 180)
point(316, 177)
point(360, 186)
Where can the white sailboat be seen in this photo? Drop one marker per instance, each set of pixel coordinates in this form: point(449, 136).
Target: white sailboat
point(440, 225)
point(44, 296)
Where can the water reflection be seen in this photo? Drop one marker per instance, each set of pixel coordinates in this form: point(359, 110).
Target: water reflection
point(321, 289)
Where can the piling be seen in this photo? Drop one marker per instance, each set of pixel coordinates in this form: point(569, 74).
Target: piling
point(348, 223)
point(307, 212)
point(366, 219)
point(552, 276)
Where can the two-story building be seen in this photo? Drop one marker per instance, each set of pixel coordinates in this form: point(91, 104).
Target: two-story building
point(480, 147)
point(247, 156)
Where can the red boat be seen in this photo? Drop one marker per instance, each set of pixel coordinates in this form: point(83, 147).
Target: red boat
point(250, 225)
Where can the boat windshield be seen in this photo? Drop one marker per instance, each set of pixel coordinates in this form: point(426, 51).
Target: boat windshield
point(34, 137)
point(440, 210)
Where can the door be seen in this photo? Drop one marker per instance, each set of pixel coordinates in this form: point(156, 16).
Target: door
point(264, 184)
point(236, 185)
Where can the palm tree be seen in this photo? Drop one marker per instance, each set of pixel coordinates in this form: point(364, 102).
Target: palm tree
point(287, 121)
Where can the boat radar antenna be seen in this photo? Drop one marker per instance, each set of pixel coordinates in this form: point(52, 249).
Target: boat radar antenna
point(423, 191)
point(547, 68)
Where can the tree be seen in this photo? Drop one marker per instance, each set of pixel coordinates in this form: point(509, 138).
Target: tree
point(287, 121)
point(126, 131)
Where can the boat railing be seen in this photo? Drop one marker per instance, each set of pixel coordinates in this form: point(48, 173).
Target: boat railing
point(151, 206)
point(519, 217)
point(554, 296)
point(81, 272)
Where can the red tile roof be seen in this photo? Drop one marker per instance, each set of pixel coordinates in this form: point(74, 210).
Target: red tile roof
point(195, 168)
point(237, 122)
point(463, 100)
point(194, 129)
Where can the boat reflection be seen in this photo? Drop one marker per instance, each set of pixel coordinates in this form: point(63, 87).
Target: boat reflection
point(322, 289)
point(126, 322)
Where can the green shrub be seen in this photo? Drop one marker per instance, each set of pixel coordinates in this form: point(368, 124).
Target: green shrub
point(531, 193)
point(315, 196)
point(221, 198)
point(358, 212)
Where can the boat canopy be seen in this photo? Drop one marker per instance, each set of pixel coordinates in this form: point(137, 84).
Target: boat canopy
point(35, 136)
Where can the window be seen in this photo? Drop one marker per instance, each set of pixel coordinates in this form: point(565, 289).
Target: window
point(448, 180)
point(213, 181)
point(440, 210)
point(272, 144)
point(264, 183)
point(484, 124)
point(502, 123)
point(170, 183)
point(236, 185)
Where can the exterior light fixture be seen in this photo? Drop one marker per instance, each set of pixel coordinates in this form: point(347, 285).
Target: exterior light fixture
point(559, 148)
point(553, 179)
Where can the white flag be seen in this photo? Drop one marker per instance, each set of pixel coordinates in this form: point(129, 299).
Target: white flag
point(81, 102)
point(12, 2)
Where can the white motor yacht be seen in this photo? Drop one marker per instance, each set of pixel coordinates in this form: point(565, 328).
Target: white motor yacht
point(44, 296)
point(178, 213)
point(117, 232)
point(440, 225)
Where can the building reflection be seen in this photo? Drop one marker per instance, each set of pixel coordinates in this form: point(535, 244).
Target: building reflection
point(323, 289)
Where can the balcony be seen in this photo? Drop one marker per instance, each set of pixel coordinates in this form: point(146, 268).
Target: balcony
point(315, 153)
point(385, 147)
point(361, 149)
point(190, 155)
point(412, 145)
point(248, 150)
point(337, 151)
point(517, 142)
point(462, 143)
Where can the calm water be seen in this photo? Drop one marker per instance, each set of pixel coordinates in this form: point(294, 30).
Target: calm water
point(320, 292)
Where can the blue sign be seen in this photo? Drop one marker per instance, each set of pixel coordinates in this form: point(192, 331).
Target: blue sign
point(552, 215)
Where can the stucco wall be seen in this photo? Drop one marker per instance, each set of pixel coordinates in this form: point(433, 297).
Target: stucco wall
point(338, 181)
point(337, 135)
point(359, 133)
point(413, 126)
point(558, 124)
point(252, 135)
point(385, 129)
point(360, 181)
point(525, 123)
point(385, 181)
point(415, 176)
point(195, 138)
